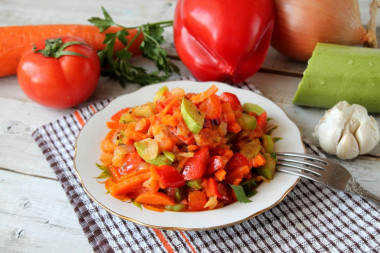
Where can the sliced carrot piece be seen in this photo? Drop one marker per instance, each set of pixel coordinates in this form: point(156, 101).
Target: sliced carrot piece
point(167, 107)
point(112, 124)
point(258, 160)
point(117, 116)
point(107, 146)
point(196, 99)
point(155, 198)
point(142, 125)
point(153, 208)
point(197, 200)
point(228, 114)
point(134, 173)
point(220, 174)
point(234, 128)
point(169, 120)
point(129, 184)
point(115, 173)
point(192, 147)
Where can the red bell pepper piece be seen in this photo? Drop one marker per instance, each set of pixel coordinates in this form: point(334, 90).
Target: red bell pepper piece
point(262, 120)
point(216, 163)
point(196, 166)
point(212, 188)
point(232, 99)
point(237, 160)
point(225, 40)
point(260, 127)
point(169, 176)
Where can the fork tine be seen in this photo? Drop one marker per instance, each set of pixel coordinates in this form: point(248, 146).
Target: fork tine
point(317, 166)
point(307, 156)
point(298, 171)
point(295, 164)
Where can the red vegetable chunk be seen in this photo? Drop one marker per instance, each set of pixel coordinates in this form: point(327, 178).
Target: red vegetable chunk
point(196, 166)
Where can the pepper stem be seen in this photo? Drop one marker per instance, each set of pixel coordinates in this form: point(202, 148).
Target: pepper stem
point(56, 48)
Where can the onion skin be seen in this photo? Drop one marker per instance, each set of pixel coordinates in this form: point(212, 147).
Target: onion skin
point(300, 24)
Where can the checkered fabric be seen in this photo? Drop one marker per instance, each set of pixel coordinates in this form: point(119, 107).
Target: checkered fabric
point(311, 218)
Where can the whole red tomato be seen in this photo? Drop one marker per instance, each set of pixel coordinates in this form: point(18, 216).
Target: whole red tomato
point(62, 81)
point(223, 40)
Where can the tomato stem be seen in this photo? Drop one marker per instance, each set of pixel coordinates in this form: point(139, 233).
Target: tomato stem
point(56, 48)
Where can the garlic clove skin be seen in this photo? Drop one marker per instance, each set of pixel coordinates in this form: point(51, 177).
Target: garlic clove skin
point(347, 131)
point(367, 132)
point(330, 129)
point(365, 140)
point(347, 147)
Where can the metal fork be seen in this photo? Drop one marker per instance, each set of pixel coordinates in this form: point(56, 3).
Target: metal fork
point(324, 171)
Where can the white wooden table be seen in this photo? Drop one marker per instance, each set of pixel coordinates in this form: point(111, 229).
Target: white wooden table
point(35, 215)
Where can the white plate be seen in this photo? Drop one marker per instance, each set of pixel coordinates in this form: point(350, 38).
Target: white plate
point(269, 194)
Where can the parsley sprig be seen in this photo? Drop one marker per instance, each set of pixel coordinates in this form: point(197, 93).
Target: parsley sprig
point(117, 65)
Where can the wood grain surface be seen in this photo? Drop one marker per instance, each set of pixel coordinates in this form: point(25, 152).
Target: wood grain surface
point(35, 215)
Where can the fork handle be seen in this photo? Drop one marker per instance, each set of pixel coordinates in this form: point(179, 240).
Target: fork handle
point(355, 188)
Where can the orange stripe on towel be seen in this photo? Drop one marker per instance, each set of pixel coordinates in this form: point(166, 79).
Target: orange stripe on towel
point(163, 240)
point(188, 242)
point(79, 118)
point(92, 108)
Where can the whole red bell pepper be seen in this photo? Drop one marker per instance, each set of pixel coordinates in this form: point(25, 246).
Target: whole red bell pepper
point(223, 40)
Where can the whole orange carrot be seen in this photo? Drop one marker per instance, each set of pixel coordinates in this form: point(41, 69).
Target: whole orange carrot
point(15, 40)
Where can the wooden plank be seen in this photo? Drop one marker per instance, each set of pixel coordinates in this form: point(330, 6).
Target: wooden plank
point(37, 216)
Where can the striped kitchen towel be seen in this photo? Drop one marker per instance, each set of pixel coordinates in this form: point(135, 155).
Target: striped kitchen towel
point(311, 218)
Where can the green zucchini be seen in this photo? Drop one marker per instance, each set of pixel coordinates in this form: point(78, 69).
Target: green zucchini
point(337, 73)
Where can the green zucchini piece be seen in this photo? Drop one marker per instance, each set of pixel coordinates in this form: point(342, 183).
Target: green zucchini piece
point(147, 149)
point(170, 155)
point(161, 91)
point(126, 118)
point(160, 160)
point(268, 169)
point(194, 184)
point(175, 208)
point(341, 73)
point(179, 193)
point(247, 122)
point(268, 143)
point(251, 149)
point(193, 118)
point(250, 107)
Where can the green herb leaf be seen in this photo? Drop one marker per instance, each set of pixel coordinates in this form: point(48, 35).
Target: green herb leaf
point(249, 187)
point(137, 204)
point(105, 173)
point(117, 65)
point(240, 194)
point(102, 24)
point(270, 129)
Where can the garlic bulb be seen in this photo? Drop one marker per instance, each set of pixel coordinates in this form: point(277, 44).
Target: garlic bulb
point(347, 131)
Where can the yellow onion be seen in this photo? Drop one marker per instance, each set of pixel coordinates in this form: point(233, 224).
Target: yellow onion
point(301, 24)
